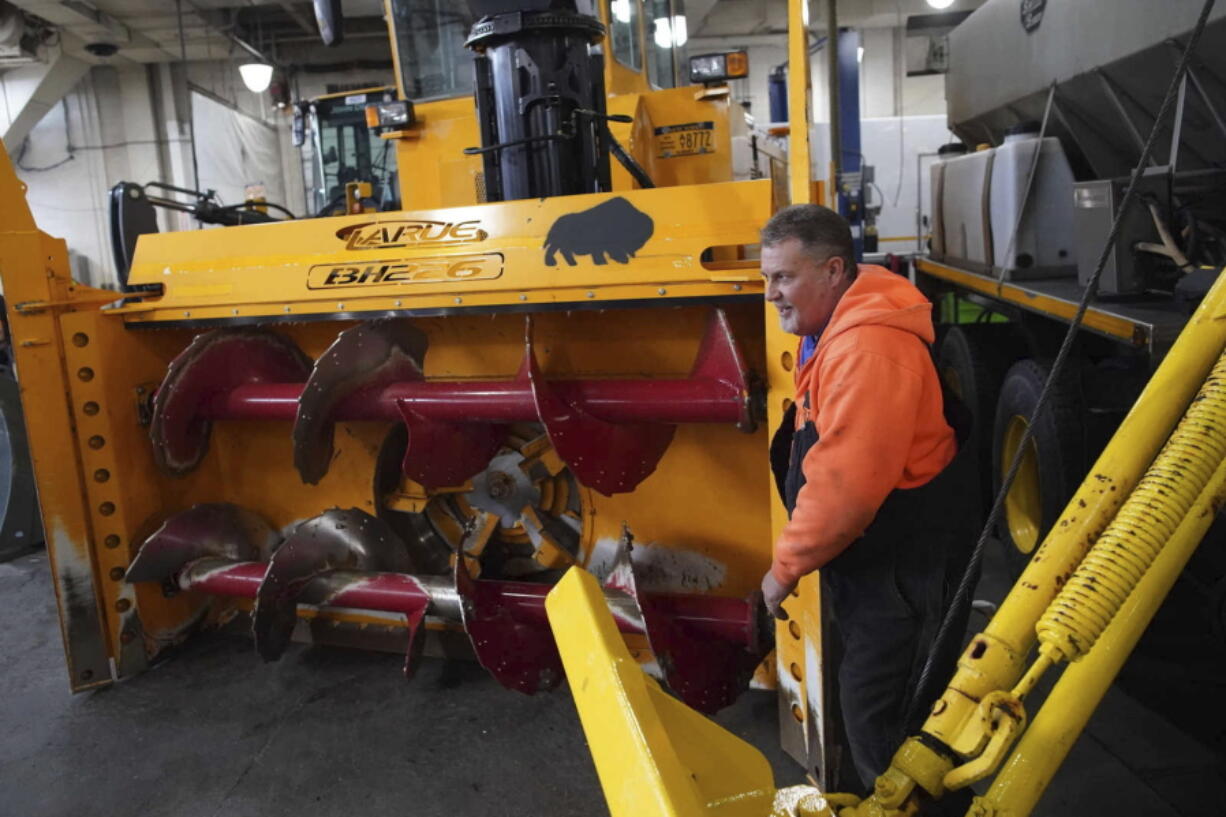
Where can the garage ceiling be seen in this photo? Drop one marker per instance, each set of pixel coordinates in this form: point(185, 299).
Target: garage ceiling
point(149, 30)
point(740, 18)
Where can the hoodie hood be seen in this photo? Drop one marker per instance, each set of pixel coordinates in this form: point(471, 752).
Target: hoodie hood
point(879, 297)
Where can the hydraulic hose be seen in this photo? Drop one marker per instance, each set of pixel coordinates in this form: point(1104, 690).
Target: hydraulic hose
point(629, 162)
point(1117, 561)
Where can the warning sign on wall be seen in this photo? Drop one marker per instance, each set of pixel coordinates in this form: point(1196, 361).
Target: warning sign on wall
point(689, 139)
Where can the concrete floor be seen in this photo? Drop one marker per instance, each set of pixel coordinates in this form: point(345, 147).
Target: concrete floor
point(214, 731)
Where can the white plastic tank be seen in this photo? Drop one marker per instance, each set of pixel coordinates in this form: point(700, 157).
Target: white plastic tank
point(966, 230)
point(936, 179)
point(1043, 246)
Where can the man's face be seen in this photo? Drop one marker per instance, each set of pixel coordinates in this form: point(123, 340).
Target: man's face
point(804, 289)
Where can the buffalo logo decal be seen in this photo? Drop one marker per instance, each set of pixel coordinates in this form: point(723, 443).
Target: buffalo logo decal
point(614, 228)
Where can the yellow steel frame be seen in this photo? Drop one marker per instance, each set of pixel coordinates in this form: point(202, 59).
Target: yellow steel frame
point(489, 256)
point(122, 497)
point(1096, 320)
point(37, 296)
point(798, 642)
point(654, 755)
point(800, 171)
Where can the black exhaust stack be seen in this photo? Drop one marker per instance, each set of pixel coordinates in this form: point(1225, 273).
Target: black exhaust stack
point(540, 99)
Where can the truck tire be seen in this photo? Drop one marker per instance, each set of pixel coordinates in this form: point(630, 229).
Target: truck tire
point(1054, 462)
point(972, 360)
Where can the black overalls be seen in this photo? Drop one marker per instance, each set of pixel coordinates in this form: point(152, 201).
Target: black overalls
point(887, 592)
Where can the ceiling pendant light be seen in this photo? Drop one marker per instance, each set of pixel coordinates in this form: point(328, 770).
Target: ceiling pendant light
point(256, 76)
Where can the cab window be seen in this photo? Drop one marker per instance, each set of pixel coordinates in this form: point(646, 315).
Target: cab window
point(624, 33)
point(430, 36)
point(666, 38)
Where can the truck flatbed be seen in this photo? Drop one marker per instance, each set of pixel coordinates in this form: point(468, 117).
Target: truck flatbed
point(1147, 325)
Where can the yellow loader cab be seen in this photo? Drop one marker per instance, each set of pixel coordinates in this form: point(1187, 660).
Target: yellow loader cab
point(344, 150)
point(677, 133)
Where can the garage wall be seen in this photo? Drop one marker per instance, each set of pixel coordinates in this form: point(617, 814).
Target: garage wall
point(238, 155)
point(900, 117)
point(900, 150)
point(104, 131)
point(133, 123)
point(884, 88)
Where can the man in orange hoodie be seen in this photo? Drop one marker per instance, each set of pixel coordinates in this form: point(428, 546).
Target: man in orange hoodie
point(867, 464)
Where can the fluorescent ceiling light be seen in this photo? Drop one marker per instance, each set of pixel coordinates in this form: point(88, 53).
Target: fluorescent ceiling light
point(940, 4)
point(670, 34)
point(663, 33)
point(860, 53)
point(621, 10)
point(679, 33)
point(256, 76)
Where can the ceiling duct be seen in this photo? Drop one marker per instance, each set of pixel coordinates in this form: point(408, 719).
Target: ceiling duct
point(15, 46)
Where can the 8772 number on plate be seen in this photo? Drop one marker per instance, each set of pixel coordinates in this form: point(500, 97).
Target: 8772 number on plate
point(689, 139)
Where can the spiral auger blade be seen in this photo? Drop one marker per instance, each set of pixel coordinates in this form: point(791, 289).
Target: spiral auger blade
point(706, 673)
point(519, 653)
point(215, 529)
point(214, 363)
point(363, 358)
point(350, 540)
point(609, 457)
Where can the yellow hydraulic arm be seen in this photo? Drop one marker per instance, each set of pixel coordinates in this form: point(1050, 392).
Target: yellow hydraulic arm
point(654, 755)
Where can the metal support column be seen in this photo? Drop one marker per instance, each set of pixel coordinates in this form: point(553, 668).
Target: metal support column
point(849, 163)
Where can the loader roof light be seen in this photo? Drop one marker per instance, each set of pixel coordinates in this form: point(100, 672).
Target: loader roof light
point(396, 114)
point(714, 68)
point(256, 76)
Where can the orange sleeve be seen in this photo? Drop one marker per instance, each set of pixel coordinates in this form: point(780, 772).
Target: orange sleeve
point(867, 408)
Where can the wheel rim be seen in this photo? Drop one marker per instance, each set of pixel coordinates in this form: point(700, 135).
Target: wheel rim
point(1023, 503)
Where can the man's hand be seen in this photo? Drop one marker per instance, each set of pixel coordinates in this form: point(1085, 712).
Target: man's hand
point(773, 594)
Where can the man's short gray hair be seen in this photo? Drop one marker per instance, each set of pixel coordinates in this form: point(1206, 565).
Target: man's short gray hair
point(823, 232)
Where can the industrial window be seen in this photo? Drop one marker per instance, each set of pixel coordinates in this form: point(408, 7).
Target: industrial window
point(666, 38)
point(430, 36)
point(624, 33)
point(348, 150)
